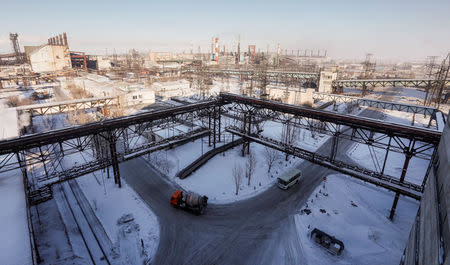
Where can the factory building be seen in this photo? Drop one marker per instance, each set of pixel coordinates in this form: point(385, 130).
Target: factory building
point(326, 79)
point(50, 57)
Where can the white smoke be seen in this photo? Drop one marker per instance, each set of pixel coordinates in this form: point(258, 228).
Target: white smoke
point(24, 120)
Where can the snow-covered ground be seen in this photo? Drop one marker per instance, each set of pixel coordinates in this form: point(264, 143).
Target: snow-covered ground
point(110, 204)
point(304, 138)
point(215, 179)
point(406, 118)
point(15, 244)
point(355, 213)
point(373, 159)
point(220, 185)
point(363, 223)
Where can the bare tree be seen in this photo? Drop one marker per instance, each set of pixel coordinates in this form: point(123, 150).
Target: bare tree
point(271, 156)
point(289, 133)
point(79, 117)
point(250, 167)
point(165, 165)
point(15, 101)
point(237, 175)
point(78, 92)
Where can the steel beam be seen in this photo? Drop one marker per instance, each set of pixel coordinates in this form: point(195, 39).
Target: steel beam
point(392, 129)
point(385, 181)
point(36, 140)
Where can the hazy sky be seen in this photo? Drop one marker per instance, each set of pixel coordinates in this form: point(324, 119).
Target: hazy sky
point(396, 30)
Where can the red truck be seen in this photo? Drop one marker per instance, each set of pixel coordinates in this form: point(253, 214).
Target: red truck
point(189, 201)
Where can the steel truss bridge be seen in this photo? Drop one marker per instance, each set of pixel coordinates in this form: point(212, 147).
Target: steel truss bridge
point(27, 80)
point(364, 84)
point(43, 157)
point(68, 105)
point(254, 73)
point(379, 104)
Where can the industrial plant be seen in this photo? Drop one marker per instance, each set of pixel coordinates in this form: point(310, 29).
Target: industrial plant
point(225, 150)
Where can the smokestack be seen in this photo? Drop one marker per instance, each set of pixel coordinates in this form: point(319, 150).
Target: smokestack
point(212, 49)
point(60, 40)
point(49, 41)
point(216, 57)
point(65, 39)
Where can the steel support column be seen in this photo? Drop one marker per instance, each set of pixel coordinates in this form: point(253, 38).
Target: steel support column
point(249, 131)
point(386, 156)
point(114, 160)
point(214, 127)
point(22, 164)
point(43, 161)
point(402, 178)
point(244, 143)
point(209, 128)
point(220, 122)
point(61, 149)
point(364, 88)
point(334, 146)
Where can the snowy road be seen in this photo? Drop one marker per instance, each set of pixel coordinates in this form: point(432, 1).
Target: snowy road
point(254, 231)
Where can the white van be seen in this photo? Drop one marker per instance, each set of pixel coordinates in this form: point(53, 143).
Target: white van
point(289, 178)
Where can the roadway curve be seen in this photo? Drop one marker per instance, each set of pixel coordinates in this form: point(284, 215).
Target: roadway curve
point(259, 230)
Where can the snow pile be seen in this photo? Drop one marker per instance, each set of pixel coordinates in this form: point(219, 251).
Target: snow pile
point(355, 213)
point(111, 204)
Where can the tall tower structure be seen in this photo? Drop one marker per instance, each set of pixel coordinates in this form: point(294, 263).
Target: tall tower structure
point(277, 62)
point(368, 66)
point(216, 54)
point(238, 54)
point(430, 66)
point(14, 37)
point(15, 42)
point(251, 52)
point(212, 49)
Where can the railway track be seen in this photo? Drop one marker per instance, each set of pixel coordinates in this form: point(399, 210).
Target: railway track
point(91, 242)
